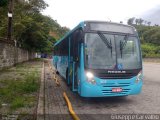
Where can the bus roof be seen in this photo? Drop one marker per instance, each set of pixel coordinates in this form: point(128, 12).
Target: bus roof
point(83, 24)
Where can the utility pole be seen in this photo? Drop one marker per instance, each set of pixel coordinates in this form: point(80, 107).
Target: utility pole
point(10, 14)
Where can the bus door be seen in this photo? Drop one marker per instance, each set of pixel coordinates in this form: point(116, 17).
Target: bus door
point(75, 60)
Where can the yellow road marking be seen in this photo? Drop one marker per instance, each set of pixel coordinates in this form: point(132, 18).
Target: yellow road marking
point(57, 82)
point(75, 117)
point(54, 77)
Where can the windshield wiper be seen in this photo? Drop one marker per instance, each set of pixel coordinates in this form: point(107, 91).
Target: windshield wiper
point(123, 44)
point(105, 40)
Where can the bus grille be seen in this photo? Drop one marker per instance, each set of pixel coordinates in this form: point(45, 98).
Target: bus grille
point(112, 85)
point(109, 92)
point(107, 89)
point(115, 77)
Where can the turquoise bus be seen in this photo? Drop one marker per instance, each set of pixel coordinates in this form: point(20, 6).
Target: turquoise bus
point(100, 59)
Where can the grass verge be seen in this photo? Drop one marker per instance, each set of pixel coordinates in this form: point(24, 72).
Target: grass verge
point(19, 88)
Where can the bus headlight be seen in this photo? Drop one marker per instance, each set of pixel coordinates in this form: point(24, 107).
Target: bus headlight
point(139, 77)
point(90, 78)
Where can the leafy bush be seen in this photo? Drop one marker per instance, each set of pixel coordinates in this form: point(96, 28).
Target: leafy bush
point(150, 40)
point(150, 50)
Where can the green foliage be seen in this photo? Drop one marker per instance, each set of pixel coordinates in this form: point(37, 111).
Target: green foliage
point(3, 3)
point(12, 91)
point(152, 35)
point(30, 85)
point(17, 103)
point(150, 50)
point(31, 29)
point(138, 21)
point(19, 87)
point(149, 36)
point(150, 39)
point(130, 21)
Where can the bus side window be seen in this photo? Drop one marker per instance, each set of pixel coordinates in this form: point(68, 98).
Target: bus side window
point(75, 46)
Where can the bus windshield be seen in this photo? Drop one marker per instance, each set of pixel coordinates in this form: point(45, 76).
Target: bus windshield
point(107, 51)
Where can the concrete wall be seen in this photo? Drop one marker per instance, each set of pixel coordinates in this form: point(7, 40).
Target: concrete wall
point(10, 55)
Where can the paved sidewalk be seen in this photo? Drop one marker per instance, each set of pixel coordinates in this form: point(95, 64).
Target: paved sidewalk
point(52, 105)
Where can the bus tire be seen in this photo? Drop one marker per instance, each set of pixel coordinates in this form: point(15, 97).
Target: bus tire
point(57, 72)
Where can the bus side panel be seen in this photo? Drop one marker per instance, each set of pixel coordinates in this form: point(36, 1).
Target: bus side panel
point(55, 60)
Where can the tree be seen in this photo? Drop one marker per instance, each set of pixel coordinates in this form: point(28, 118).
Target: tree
point(31, 29)
point(149, 37)
point(149, 23)
point(141, 21)
point(130, 21)
point(156, 25)
point(136, 21)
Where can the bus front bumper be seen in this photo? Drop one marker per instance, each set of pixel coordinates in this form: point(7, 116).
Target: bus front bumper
point(89, 90)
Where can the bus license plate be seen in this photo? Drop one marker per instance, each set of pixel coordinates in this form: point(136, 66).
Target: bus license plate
point(116, 89)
